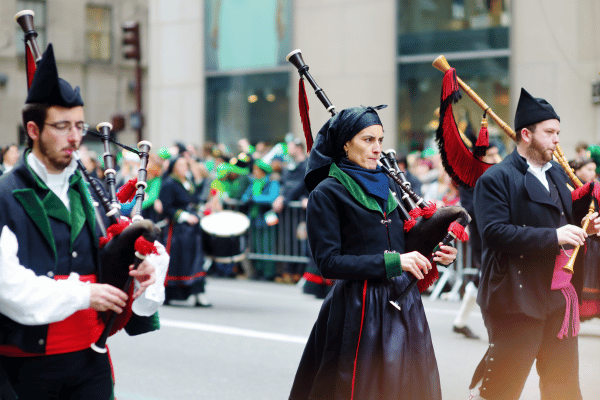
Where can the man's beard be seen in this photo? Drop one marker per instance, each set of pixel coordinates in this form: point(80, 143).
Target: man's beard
point(539, 152)
point(55, 159)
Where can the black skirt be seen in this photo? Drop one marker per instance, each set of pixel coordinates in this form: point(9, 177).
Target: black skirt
point(361, 347)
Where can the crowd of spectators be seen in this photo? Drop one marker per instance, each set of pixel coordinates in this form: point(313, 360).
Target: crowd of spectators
point(261, 180)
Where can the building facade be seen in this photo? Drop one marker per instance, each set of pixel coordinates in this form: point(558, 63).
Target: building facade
point(86, 37)
point(215, 70)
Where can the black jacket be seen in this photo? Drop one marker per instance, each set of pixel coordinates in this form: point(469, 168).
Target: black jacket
point(392, 350)
point(517, 221)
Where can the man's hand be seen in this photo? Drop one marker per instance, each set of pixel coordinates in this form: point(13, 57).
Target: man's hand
point(145, 274)
point(571, 234)
point(594, 224)
point(104, 297)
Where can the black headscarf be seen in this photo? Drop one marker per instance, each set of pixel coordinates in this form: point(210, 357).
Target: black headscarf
point(329, 144)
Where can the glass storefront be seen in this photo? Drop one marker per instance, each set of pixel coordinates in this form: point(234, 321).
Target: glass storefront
point(246, 33)
point(247, 80)
point(252, 106)
point(474, 36)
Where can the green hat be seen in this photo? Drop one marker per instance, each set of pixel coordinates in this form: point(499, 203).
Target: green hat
point(594, 151)
point(428, 152)
point(263, 165)
point(223, 169)
point(164, 153)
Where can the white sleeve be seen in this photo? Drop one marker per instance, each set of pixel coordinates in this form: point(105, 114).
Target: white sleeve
point(35, 300)
point(154, 295)
point(183, 217)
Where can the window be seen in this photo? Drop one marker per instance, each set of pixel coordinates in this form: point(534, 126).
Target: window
point(474, 37)
point(419, 99)
point(39, 23)
point(241, 34)
point(98, 33)
point(252, 106)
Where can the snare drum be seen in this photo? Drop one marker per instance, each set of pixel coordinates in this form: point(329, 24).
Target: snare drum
point(224, 238)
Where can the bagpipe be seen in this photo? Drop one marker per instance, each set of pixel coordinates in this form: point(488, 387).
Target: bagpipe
point(465, 167)
point(126, 241)
point(425, 225)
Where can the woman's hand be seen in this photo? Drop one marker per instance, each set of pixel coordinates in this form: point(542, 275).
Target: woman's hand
point(415, 263)
point(445, 255)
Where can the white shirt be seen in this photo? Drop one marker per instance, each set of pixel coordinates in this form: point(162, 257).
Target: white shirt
point(24, 295)
point(540, 173)
point(58, 183)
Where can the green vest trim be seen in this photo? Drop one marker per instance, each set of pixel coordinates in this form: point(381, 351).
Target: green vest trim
point(39, 211)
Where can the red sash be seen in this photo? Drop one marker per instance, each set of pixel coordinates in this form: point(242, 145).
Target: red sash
point(74, 333)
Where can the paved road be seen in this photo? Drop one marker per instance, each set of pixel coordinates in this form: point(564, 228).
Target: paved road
point(248, 345)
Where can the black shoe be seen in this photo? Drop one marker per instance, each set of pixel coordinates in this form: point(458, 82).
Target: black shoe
point(465, 331)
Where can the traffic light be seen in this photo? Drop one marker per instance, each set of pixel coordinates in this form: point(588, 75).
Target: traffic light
point(131, 40)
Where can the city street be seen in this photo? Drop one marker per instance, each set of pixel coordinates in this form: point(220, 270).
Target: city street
point(248, 345)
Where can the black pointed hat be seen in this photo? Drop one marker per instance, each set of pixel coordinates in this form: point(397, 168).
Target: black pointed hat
point(531, 110)
point(48, 88)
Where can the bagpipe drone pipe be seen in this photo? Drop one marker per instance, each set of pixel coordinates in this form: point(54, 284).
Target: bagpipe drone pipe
point(126, 241)
point(465, 166)
point(425, 225)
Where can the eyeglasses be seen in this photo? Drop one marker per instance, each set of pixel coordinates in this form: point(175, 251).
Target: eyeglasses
point(64, 127)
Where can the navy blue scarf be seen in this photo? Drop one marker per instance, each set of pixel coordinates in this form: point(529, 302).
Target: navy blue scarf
point(373, 181)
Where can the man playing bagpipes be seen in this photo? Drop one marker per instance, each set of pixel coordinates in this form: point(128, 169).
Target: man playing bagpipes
point(45, 202)
point(525, 214)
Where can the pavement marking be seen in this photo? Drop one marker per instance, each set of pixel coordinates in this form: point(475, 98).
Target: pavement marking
point(278, 337)
point(228, 330)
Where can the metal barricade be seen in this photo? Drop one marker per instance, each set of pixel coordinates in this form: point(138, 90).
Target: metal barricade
point(286, 244)
point(283, 243)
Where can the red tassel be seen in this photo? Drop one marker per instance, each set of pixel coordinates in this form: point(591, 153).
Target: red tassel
point(450, 84)
point(408, 225)
point(304, 115)
point(459, 231)
point(103, 240)
point(428, 211)
point(113, 231)
point(483, 139)
point(462, 166)
point(144, 246)
point(30, 65)
point(429, 279)
point(584, 190)
point(126, 192)
point(596, 190)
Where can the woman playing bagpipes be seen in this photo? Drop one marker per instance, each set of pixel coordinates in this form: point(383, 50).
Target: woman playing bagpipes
point(360, 346)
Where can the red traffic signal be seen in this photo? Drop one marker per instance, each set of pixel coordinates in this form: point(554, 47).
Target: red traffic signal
point(131, 40)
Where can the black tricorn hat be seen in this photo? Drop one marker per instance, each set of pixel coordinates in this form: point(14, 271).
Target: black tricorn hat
point(531, 110)
point(47, 87)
